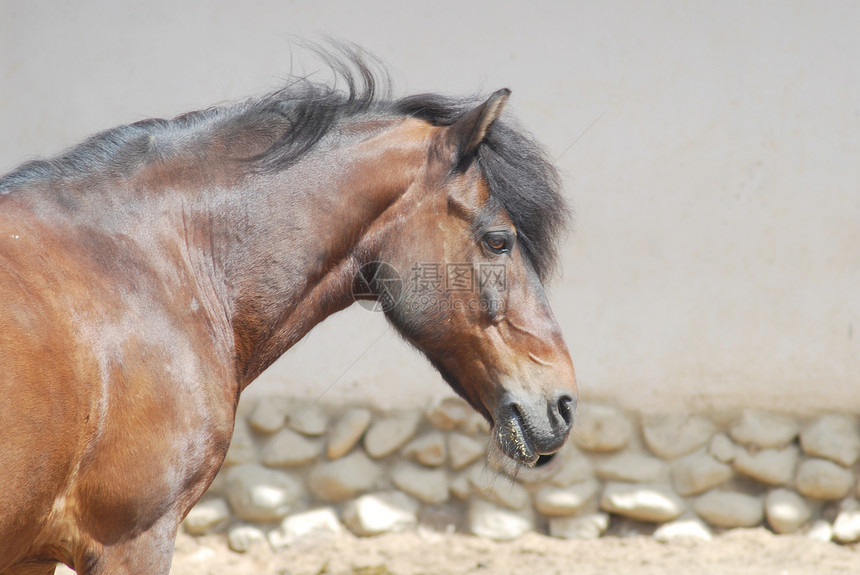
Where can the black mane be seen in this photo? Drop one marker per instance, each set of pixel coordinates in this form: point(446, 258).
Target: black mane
point(520, 176)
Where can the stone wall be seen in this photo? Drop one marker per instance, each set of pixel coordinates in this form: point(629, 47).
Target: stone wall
point(296, 469)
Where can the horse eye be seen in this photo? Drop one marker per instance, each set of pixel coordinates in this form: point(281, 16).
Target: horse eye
point(498, 243)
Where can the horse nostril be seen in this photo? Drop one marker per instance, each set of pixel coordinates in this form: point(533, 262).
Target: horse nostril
point(566, 404)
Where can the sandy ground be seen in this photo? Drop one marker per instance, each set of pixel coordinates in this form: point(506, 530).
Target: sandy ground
point(738, 552)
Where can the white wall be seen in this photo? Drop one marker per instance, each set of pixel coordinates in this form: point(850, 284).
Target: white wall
point(712, 153)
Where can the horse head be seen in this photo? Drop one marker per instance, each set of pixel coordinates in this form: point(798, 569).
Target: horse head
point(461, 278)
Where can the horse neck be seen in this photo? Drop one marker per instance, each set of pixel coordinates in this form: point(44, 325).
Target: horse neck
point(297, 237)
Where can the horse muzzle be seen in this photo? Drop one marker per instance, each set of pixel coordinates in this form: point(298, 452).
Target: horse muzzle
point(526, 429)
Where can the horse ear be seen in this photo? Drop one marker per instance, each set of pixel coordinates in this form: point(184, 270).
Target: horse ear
point(469, 131)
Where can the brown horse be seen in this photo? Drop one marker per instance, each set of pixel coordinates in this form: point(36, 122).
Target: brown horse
point(151, 273)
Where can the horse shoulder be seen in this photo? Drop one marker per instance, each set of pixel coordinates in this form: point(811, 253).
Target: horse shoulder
point(117, 405)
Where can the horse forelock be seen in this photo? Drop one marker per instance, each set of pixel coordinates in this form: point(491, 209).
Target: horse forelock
point(528, 187)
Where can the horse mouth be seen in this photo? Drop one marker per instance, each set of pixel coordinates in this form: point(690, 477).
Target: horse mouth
point(514, 437)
